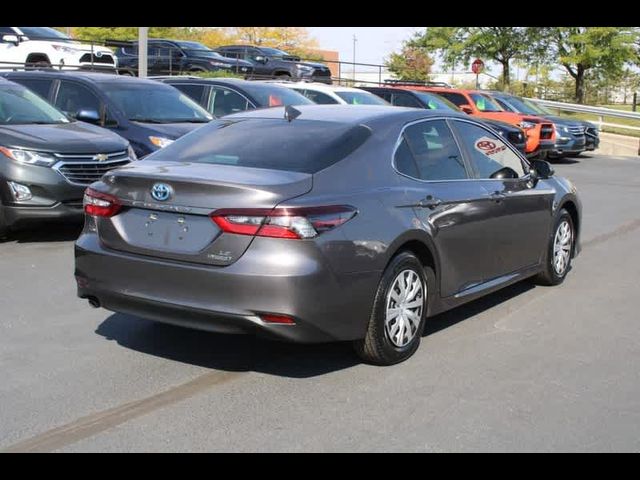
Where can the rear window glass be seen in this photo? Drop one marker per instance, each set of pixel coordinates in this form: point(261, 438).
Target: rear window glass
point(305, 146)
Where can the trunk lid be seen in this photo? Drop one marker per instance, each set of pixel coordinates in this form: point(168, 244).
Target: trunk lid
point(178, 227)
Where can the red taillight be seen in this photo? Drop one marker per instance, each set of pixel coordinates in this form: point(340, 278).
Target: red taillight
point(98, 204)
point(295, 223)
point(276, 318)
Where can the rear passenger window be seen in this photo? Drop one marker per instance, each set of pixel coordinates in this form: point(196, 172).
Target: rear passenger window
point(405, 100)
point(319, 98)
point(195, 92)
point(455, 98)
point(225, 102)
point(41, 86)
point(434, 151)
point(490, 156)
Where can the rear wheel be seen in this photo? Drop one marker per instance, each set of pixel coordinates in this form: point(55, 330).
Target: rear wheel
point(399, 312)
point(559, 251)
point(283, 76)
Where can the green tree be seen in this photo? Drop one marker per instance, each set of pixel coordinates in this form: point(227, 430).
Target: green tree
point(581, 49)
point(499, 44)
point(100, 34)
point(412, 63)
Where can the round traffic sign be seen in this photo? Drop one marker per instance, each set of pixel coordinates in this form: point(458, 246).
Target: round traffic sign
point(477, 66)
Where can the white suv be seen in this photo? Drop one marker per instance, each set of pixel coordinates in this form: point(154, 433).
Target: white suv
point(47, 47)
point(332, 94)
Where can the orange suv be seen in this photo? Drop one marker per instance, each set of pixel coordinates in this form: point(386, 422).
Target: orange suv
point(541, 134)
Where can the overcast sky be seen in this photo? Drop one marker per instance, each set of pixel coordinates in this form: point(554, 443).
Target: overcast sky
point(373, 44)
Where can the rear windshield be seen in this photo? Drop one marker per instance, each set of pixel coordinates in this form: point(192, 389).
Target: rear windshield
point(360, 98)
point(305, 146)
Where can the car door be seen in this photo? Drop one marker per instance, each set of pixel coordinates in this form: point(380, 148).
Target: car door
point(9, 52)
point(446, 202)
point(224, 101)
point(403, 99)
point(521, 216)
point(73, 96)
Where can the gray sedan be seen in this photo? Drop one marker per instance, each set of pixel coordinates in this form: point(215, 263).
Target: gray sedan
point(324, 223)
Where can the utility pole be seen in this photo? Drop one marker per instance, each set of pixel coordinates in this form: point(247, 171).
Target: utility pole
point(354, 57)
point(68, 31)
point(143, 33)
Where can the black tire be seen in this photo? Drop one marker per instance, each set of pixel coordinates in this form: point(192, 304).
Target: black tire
point(283, 76)
point(4, 231)
point(377, 347)
point(550, 275)
point(127, 73)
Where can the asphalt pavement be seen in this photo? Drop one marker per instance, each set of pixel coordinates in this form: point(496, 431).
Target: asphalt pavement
point(528, 368)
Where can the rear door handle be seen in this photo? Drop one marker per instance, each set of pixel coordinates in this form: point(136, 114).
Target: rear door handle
point(430, 202)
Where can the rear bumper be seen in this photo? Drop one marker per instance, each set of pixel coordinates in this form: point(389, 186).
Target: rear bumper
point(297, 283)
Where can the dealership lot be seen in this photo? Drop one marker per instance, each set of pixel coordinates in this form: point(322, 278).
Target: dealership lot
point(527, 368)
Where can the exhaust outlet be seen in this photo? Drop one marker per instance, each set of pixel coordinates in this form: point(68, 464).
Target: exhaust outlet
point(94, 302)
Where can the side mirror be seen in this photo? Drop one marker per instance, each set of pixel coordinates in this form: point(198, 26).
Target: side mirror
point(542, 168)
point(261, 59)
point(466, 109)
point(89, 116)
point(11, 39)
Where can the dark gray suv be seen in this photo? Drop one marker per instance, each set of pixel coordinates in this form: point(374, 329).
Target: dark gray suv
point(47, 160)
point(324, 223)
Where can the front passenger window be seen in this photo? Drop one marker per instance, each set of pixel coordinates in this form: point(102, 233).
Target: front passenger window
point(490, 156)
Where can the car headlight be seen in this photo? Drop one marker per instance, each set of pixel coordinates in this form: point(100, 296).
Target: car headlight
point(527, 125)
point(304, 68)
point(219, 64)
point(131, 153)
point(29, 157)
point(63, 49)
point(161, 142)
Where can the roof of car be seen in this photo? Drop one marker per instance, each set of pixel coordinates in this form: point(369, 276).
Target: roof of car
point(237, 82)
point(313, 86)
point(93, 77)
point(348, 113)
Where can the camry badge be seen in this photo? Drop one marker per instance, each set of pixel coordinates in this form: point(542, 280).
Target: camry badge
point(161, 192)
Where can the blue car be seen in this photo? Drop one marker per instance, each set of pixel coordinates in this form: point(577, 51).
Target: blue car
point(150, 114)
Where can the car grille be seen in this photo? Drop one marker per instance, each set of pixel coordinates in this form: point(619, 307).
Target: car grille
point(591, 131)
point(546, 131)
point(104, 59)
point(576, 130)
point(86, 169)
point(515, 137)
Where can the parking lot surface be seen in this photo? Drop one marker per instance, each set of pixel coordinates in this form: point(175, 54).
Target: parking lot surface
point(528, 368)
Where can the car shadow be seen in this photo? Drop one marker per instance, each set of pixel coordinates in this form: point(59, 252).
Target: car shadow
point(244, 353)
point(565, 160)
point(46, 232)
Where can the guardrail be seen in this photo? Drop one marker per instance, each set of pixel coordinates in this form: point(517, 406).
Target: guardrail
point(601, 112)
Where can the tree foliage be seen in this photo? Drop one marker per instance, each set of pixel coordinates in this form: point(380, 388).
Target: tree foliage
point(412, 63)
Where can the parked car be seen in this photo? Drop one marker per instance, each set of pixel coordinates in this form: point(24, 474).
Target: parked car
point(324, 223)
point(570, 134)
point(273, 63)
point(404, 97)
point(224, 96)
point(47, 47)
point(569, 131)
point(540, 133)
point(170, 57)
point(147, 113)
point(332, 94)
point(47, 160)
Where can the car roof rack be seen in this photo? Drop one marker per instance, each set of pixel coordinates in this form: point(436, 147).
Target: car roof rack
point(417, 83)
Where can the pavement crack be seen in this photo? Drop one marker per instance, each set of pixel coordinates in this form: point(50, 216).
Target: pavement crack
point(621, 230)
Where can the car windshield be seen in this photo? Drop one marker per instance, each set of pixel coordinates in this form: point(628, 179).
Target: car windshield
point(485, 104)
point(196, 48)
point(274, 96)
point(520, 105)
point(435, 102)
point(20, 106)
point(155, 104)
point(274, 52)
point(305, 146)
point(361, 98)
point(47, 33)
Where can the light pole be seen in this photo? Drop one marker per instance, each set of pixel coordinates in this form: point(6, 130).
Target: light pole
point(143, 33)
point(354, 57)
